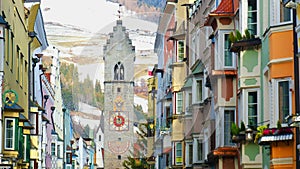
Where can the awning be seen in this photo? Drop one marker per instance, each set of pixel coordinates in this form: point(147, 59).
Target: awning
point(272, 138)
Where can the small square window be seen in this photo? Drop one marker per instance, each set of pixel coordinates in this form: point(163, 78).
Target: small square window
point(119, 157)
point(119, 89)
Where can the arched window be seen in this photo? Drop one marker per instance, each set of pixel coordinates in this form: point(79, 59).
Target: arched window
point(119, 71)
point(122, 72)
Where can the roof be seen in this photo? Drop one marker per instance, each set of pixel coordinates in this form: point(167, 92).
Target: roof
point(188, 83)
point(14, 108)
point(198, 67)
point(2, 21)
point(225, 8)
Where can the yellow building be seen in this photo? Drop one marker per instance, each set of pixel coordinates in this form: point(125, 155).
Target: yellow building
point(20, 41)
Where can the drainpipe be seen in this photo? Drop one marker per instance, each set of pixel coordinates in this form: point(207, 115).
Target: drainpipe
point(2, 26)
point(32, 36)
point(64, 139)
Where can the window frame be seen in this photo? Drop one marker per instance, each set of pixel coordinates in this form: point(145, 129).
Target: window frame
point(277, 97)
point(179, 100)
point(224, 50)
point(188, 153)
point(53, 149)
point(13, 139)
point(253, 23)
point(178, 158)
point(180, 50)
point(195, 97)
point(230, 143)
point(247, 105)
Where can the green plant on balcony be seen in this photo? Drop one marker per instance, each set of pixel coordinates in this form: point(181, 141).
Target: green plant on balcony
point(241, 42)
point(234, 131)
point(260, 131)
point(243, 128)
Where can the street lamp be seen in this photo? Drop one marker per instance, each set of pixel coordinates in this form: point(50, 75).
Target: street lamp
point(249, 134)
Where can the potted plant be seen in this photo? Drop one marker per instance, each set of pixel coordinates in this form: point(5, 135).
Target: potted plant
point(235, 130)
point(242, 42)
point(260, 132)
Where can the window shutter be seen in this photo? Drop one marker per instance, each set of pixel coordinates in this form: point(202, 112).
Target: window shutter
point(16, 135)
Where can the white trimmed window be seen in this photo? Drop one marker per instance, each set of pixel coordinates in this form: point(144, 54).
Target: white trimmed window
point(198, 151)
point(179, 103)
point(284, 99)
point(178, 153)
point(198, 91)
point(189, 154)
point(279, 14)
point(53, 149)
point(10, 134)
point(252, 108)
point(285, 13)
point(180, 53)
point(252, 17)
point(228, 56)
point(229, 115)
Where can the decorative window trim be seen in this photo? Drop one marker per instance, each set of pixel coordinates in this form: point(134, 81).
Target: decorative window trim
point(276, 101)
point(179, 99)
point(223, 124)
point(246, 104)
point(178, 158)
point(13, 134)
point(195, 98)
point(187, 152)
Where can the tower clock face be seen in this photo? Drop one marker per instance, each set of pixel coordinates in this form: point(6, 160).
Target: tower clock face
point(119, 121)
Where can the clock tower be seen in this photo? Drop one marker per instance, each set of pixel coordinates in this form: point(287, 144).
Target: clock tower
point(119, 56)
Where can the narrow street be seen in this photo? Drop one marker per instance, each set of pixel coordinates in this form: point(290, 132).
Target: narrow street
point(149, 84)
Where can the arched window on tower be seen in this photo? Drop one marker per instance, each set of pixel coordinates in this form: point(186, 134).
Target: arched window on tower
point(119, 71)
point(122, 72)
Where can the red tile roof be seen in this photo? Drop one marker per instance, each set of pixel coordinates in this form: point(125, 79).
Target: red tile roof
point(226, 6)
